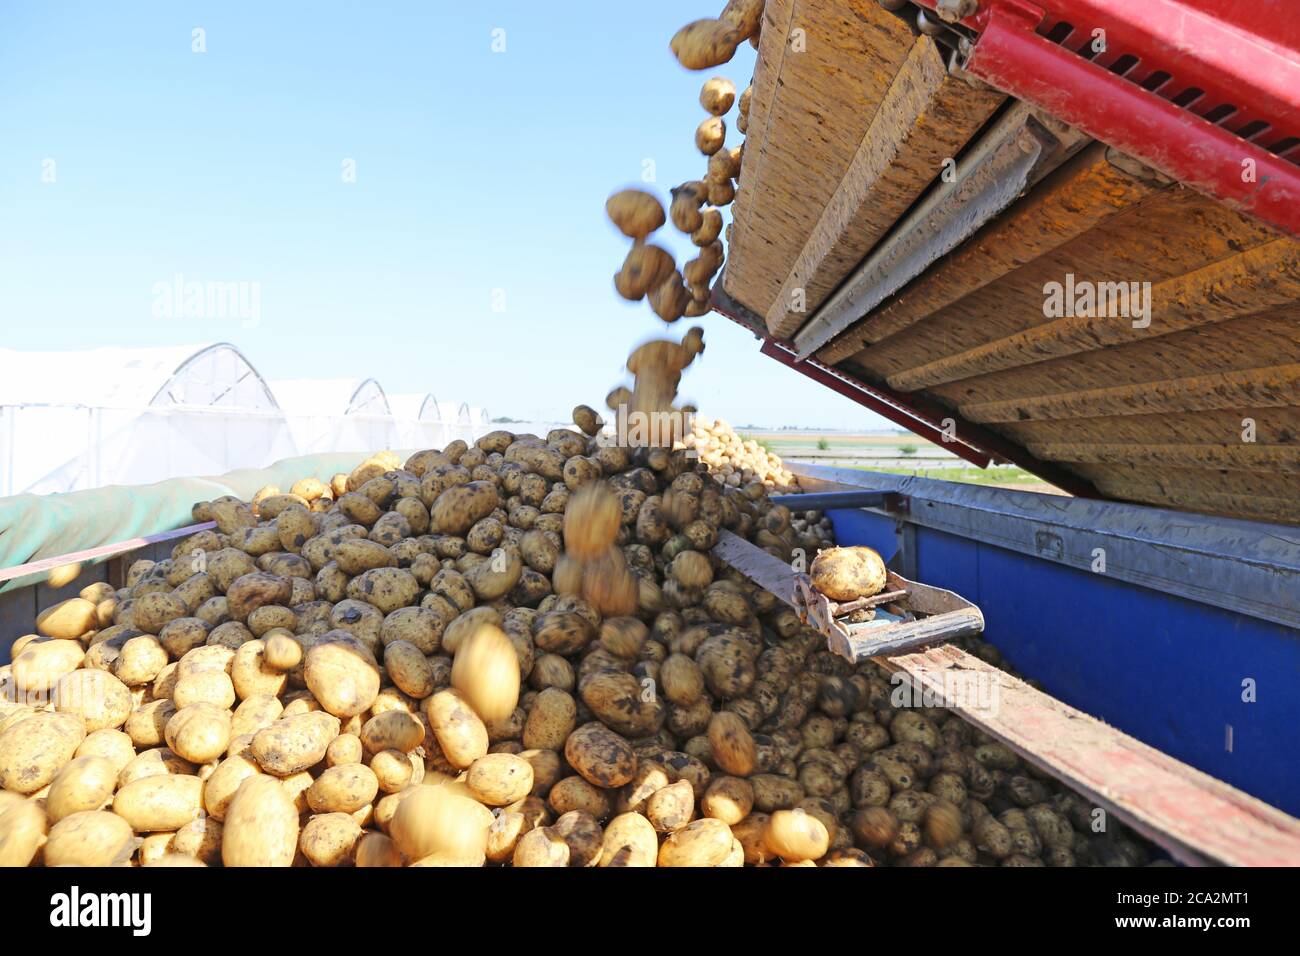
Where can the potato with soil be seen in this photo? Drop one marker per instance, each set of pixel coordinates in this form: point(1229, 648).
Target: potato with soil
point(458, 508)
point(705, 43)
point(34, 749)
point(602, 757)
point(292, 744)
point(636, 213)
point(846, 574)
point(705, 842)
point(342, 674)
point(159, 803)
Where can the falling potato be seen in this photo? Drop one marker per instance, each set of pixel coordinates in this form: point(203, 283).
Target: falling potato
point(706, 43)
point(717, 95)
point(710, 135)
point(635, 212)
point(486, 672)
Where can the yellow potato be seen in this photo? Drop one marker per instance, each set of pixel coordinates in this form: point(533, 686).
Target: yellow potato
point(90, 838)
point(500, 779)
point(261, 825)
point(159, 802)
point(629, 840)
point(34, 749)
point(705, 842)
point(87, 783)
point(486, 673)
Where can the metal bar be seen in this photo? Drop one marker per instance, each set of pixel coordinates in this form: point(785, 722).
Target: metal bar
point(830, 499)
point(1012, 57)
point(1249, 567)
point(101, 552)
point(989, 178)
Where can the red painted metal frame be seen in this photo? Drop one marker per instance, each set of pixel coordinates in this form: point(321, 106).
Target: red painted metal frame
point(1213, 60)
point(868, 397)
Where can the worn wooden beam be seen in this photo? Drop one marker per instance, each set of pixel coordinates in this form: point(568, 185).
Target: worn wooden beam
point(1084, 192)
point(1258, 279)
point(825, 66)
point(45, 565)
point(1241, 456)
point(1269, 496)
point(927, 115)
point(1276, 386)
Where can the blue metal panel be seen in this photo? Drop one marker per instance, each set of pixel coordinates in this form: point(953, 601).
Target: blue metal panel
point(1165, 669)
point(864, 528)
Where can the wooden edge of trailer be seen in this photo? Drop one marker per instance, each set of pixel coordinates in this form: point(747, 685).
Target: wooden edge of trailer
point(101, 553)
point(1198, 819)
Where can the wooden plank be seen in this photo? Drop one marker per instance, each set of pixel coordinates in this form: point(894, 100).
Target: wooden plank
point(1241, 456)
point(1272, 426)
point(1166, 235)
point(1262, 278)
point(45, 565)
point(1197, 818)
point(926, 117)
point(1083, 193)
point(1267, 496)
point(1275, 386)
point(827, 87)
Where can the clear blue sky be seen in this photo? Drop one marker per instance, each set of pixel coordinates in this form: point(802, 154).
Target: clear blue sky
point(475, 171)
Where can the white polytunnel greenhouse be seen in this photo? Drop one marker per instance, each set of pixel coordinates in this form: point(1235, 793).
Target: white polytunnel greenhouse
point(71, 420)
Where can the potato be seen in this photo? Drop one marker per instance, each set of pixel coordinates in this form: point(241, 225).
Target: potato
point(97, 697)
point(681, 680)
point(342, 674)
point(260, 826)
point(457, 509)
point(584, 837)
point(672, 807)
point(629, 840)
point(772, 792)
point(591, 521)
point(705, 842)
point(729, 799)
point(159, 802)
point(458, 729)
point(151, 763)
point(621, 703)
point(717, 95)
point(710, 136)
point(417, 626)
point(392, 730)
point(42, 664)
point(705, 43)
point(23, 827)
point(254, 714)
point(343, 789)
point(486, 673)
point(732, 744)
point(795, 835)
point(199, 733)
point(575, 793)
point(87, 783)
point(440, 820)
point(67, 620)
point(223, 783)
point(636, 213)
point(846, 574)
point(602, 757)
point(541, 847)
point(113, 745)
point(139, 661)
point(500, 779)
point(34, 749)
point(293, 744)
point(90, 838)
point(377, 850)
point(409, 669)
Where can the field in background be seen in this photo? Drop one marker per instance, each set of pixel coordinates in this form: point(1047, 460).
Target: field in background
point(899, 454)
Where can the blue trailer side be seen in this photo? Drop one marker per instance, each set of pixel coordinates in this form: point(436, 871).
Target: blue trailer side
point(1144, 642)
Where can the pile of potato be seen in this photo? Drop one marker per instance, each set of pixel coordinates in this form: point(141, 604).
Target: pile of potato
point(418, 665)
point(735, 461)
